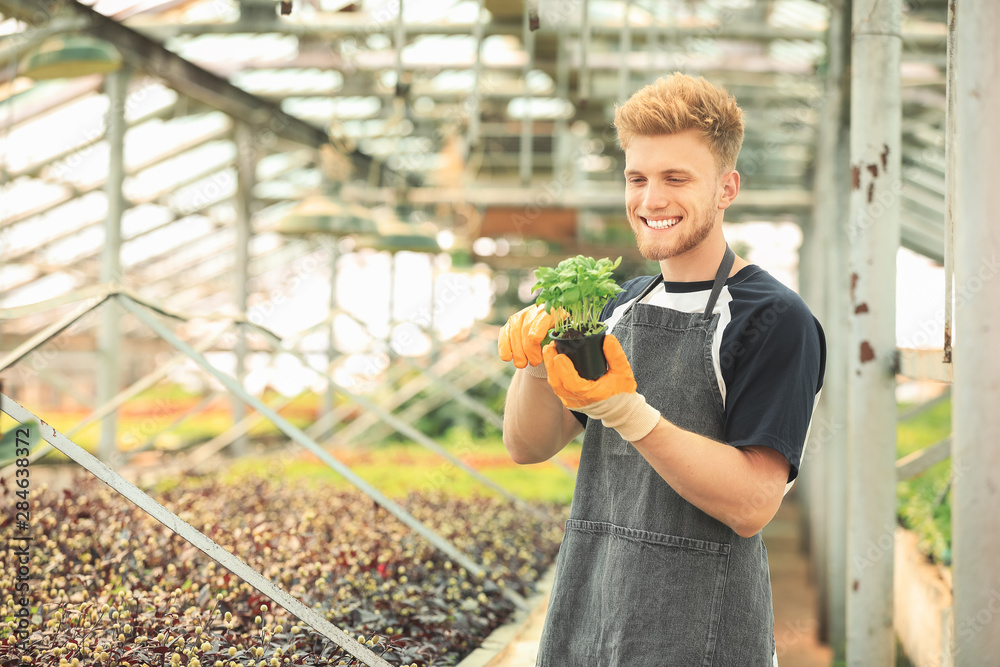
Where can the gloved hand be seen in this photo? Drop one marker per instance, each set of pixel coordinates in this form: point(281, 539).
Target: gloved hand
point(521, 338)
point(612, 398)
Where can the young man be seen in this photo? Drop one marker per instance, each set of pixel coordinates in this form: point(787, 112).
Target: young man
point(698, 427)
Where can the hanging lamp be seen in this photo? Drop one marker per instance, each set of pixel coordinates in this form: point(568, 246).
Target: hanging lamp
point(319, 214)
point(68, 56)
point(396, 236)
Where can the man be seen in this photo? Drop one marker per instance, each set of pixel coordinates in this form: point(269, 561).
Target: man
point(697, 429)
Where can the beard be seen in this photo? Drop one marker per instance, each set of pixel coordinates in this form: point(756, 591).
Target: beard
point(696, 231)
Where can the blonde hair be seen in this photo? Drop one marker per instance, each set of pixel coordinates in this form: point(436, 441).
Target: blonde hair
point(681, 102)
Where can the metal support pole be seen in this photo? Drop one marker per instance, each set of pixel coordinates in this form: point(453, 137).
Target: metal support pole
point(833, 213)
point(624, 74)
point(245, 168)
point(391, 300)
point(192, 535)
point(477, 72)
point(951, 167)
point(874, 238)
point(400, 41)
point(331, 348)
point(561, 168)
point(813, 475)
point(109, 331)
point(975, 418)
point(528, 120)
point(583, 85)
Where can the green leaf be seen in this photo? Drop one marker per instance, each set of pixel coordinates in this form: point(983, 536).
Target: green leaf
point(578, 286)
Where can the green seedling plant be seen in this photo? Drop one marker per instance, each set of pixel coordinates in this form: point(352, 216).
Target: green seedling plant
point(574, 292)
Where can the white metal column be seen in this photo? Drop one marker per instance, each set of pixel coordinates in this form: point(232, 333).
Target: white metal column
point(975, 418)
point(245, 168)
point(109, 328)
point(873, 233)
point(833, 437)
point(530, 19)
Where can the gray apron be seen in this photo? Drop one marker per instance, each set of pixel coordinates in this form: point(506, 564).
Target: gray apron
point(643, 577)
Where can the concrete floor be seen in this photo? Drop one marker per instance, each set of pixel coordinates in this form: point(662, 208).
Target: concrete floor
point(795, 620)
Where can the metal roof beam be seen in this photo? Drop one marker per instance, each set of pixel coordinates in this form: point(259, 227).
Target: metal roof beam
point(181, 75)
point(190, 79)
point(363, 26)
point(594, 196)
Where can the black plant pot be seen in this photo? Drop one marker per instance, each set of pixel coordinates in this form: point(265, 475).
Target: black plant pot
point(586, 353)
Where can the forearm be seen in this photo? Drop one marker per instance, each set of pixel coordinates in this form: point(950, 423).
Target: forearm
point(536, 425)
point(740, 486)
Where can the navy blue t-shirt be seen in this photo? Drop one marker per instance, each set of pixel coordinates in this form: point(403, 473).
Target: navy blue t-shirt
point(769, 354)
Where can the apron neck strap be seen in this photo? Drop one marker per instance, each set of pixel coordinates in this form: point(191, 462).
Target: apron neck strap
point(720, 279)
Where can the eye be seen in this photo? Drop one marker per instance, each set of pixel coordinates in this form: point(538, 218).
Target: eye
point(636, 179)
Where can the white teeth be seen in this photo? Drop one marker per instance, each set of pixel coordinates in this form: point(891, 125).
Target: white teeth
point(662, 224)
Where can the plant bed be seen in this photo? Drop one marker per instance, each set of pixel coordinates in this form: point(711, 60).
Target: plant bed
point(110, 585)
point(924, 501)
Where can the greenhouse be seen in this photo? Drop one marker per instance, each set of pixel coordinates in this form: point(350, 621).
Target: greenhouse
point(278, 280)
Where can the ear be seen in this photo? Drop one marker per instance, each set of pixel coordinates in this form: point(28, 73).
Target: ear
point(729, 187)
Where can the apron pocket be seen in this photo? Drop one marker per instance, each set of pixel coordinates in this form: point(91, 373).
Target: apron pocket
point(634, 598)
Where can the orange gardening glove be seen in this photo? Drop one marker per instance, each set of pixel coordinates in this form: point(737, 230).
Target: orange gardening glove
point(521, 338)
point(612, 398)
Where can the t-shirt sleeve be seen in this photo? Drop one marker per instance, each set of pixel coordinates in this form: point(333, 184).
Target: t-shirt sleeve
point(778, 359)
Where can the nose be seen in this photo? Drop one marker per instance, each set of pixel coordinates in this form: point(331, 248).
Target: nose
point(656, 196)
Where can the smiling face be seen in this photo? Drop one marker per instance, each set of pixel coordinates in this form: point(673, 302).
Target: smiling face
point(675, 197)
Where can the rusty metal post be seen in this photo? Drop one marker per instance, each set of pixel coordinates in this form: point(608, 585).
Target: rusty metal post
point(975, 418)
point(873, 233)
point(951, 164)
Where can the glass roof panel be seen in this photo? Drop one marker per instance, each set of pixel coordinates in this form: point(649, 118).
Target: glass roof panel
point(203, 192)
point(27, 194)
point(798, 14)
point(322, 109)
point(63, 220)
point(66, 251)
point(244, 48)
point(40, 289)
point(50, 133)
point(441, 50)
point(291, 81)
